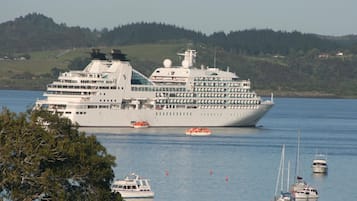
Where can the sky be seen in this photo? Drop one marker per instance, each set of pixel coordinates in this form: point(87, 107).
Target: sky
point(326, 17)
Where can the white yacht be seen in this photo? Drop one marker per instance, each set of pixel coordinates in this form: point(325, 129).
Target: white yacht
point(319, 164)
point(133, 187)
point(301, 190)
point(110, 93)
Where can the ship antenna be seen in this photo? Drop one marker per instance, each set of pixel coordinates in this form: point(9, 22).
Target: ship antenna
point(214, 58)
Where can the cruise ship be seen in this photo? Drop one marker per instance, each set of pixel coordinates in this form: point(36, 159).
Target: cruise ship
point(111, 93)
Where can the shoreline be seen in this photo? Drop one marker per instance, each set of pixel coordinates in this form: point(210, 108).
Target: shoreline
point(301, 94)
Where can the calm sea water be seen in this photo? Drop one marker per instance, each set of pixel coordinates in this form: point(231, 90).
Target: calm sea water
point(238, 164)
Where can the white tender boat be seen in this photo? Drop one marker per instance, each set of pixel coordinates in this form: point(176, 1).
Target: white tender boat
point(319, 164)
point(133, 187)
point(110, 93)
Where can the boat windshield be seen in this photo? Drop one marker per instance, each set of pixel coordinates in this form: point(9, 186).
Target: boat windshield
point(144, 182)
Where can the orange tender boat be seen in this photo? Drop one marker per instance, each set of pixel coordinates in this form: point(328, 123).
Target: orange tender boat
point(198, 131)
point(140, 124)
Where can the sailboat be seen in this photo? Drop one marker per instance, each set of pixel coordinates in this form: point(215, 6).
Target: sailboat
point(284, 195)
point(300, 190)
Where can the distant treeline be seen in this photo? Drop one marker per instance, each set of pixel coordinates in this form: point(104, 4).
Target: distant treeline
point(37, 32)
point(287, 63)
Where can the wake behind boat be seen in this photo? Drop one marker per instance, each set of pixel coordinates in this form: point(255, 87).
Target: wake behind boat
point(110, 93)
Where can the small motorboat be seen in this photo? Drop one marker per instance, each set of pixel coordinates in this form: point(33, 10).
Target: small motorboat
point(308, 193)
point(133, 187)
point(301, 191)
point(198, 131)
point(140, 124)
point(319, 164)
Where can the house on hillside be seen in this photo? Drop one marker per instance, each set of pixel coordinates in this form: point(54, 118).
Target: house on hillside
point(339, 54)
point(323, 56)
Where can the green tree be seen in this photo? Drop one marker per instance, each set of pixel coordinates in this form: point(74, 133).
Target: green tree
point(42, 156)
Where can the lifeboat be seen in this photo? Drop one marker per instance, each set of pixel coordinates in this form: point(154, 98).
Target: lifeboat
point(198, 131)
point(140, 124)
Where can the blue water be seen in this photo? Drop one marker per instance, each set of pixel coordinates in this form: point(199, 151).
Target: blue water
point(239, 164)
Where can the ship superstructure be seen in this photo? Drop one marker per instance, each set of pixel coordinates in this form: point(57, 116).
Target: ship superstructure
point(110, 93)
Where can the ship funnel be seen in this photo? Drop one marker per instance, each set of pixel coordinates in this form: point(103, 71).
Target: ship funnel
point(118, 55)
point(97, 55)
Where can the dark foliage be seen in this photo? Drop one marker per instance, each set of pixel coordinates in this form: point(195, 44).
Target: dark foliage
point(256, 42)
point(43, 157)
point(277, 60)
point(137, 33)
point(38, 32)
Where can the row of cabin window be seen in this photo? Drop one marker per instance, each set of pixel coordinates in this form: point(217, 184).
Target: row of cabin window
point(158, 89)
point(82, 87)
point(208, 78)
point(205, 89)
point(205, 101)
point(240, 95)
point(173, 114)
point(80, 113)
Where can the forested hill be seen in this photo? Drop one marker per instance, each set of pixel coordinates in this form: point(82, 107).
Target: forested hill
point(138, 33)
point(38, 32)
point(255, 42)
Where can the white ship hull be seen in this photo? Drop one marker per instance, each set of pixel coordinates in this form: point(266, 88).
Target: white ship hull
point(306, 198)
point(319, 169)
point(171, 118)
point(136, 195)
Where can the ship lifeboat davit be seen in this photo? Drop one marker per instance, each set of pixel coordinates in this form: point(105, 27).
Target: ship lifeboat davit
point(198, 131)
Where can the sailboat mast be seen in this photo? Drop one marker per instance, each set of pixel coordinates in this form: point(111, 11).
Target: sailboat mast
point(280, 171)
point(288, 177)
point(297, 157)
point(282, 168)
